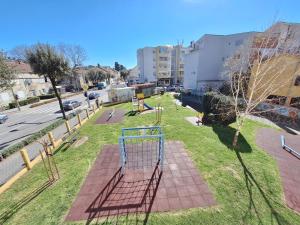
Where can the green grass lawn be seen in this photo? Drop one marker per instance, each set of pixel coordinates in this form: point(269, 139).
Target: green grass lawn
point(246, 184)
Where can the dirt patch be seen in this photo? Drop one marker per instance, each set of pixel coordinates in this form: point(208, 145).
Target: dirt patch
point(81, 141)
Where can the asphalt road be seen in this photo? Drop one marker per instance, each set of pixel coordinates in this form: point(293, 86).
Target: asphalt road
point(21, 125)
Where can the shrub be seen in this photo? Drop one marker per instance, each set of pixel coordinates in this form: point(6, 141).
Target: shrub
point(48, 96)
point(218, 109)
point(27, 101)
point(14, 148)
point(225, 88)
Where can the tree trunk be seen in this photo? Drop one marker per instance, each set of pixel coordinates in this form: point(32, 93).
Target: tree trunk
point(15, 98)
point(240, 122)
point(53, 82)
point(235, 138)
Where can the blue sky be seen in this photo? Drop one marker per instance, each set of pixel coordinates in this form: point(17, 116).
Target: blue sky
point(112, 30)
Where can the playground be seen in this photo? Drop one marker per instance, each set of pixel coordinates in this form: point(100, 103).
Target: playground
point(198, 179)
point(179, 186)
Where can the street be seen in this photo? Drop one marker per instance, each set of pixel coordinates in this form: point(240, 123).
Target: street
point(21, 125)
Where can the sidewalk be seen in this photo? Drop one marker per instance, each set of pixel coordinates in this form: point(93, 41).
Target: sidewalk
point(14, 163)
point(25, 107)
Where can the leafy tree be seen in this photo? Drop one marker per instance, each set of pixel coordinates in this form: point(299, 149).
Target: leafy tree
point(44, 59)
point(117, 66)
point(96, 76)
point(122, 69)
point(7, 79)
point(124, 74)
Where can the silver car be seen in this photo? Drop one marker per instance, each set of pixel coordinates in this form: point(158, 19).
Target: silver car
point(71, 104)
point(3, 118)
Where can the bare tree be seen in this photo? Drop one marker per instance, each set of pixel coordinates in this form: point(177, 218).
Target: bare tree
point(259, 69)
point(18, 52)
point(76, 55)
point(7, 79)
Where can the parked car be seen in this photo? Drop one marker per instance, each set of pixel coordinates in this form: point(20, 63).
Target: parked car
point(101, 85)
point(171, 88)
point(71, 104)
point(3, 118)
point(94, 95)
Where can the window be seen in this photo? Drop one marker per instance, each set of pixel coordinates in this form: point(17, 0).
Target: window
point(163, 58)
point(297, 81)
point(163, 50)
point(238, 42)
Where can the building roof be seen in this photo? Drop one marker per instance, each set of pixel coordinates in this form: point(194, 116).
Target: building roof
point(141, 86)
point(19, 66)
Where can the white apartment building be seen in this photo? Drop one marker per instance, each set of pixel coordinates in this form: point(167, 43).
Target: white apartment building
point(134, 75)
point(162, 64)
point(204, 64)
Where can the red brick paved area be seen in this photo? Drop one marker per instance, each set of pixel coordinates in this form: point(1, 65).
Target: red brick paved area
point(289, 165)
point(107, 194)
point(117, 116)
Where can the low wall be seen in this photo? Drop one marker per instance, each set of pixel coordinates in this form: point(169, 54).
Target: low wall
point(280, 114)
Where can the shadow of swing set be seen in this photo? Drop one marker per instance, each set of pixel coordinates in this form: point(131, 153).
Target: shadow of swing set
point(141, 149)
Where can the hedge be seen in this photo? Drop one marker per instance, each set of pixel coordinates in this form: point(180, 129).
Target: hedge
point(48, 96)
point(16, 147)
point(218, 109)
point(27, 101)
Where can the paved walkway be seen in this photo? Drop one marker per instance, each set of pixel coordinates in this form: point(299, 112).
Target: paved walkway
point(289, 165)
point(107, 194)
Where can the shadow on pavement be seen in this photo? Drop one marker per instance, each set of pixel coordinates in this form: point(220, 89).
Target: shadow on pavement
point(124, 202)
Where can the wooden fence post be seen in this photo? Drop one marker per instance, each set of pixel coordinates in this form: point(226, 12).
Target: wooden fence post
point(87, 113)
point(68, 126)
point(25, 158)
point(51, 138)
point(79, 119)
